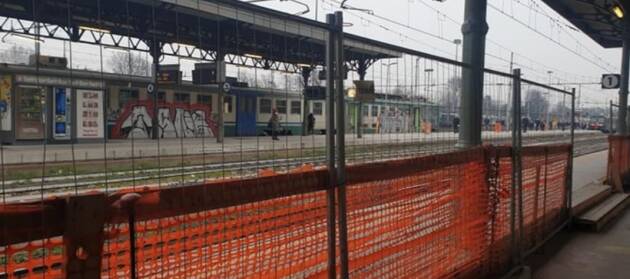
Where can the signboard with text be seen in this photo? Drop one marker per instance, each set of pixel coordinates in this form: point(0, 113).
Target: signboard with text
point(89, 114)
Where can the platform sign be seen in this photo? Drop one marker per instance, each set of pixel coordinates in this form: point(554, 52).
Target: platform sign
point(169, 77)
point(315, 93)
point(611, 81)
point(151, 88)
point(226, 87)
point(365, 91)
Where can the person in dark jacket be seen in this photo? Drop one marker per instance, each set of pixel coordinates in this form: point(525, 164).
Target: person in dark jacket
point(524, 124)
point(310, 123)
point(456, 124)
point(274, 124)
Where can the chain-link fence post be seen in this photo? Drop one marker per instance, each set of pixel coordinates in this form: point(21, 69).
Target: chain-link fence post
point(330, 147)
point(341, 147)
point(516, 191)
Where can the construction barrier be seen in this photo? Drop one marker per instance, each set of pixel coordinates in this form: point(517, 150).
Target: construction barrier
point(618, 161)
point(438, 216)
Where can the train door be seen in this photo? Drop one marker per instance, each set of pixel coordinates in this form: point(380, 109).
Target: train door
point(246, 116)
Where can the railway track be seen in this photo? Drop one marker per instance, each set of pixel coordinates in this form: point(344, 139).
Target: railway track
point(175, 176)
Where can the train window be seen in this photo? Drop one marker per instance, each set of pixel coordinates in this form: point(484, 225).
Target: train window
point(296, 107)
point(127, 96)
point(366, 111)
point(374, 111)
point(265, 105)
point(204, 99)
point(182, 98)
point(227, 104)
point(161, 96)
point(318, 108)
point(281, 106)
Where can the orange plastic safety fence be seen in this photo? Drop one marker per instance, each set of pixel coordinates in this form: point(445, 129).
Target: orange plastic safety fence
point(618, 160)
point(274, 238)
point(544, 195)
point(430, 217)
point(429, 223)
point(34, 259)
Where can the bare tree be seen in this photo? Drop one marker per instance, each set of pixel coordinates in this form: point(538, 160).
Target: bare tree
point(129, 64)
point(16, 55)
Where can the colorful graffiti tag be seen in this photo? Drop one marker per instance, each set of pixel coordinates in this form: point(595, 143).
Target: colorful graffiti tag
point(174, 120)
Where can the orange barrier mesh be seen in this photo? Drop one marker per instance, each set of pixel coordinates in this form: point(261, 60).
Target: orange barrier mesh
point(544, 194)
point(431, 217)
point(273, 238)
point(429, 220)
point(34, 259)
point(618, 160)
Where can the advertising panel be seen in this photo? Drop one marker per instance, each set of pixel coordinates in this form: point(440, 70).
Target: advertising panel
point(62, 103)
point(5, 103)
point(89, 114)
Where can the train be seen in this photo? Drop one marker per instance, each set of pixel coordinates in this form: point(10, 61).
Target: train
point(60, 105)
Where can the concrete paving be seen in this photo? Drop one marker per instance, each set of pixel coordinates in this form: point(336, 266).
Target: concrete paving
point(589, 168)
point(586, 255)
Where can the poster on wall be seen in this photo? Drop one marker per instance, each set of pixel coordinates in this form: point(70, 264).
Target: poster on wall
point(5, 103)
point(89, 114)
point(62, 102)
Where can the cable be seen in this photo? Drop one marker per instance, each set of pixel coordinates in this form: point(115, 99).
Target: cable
point(547, 37)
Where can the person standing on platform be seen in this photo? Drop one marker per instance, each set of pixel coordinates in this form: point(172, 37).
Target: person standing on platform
point(456, 125)
point(274, 124)
point(310, 123)
point(524, 124)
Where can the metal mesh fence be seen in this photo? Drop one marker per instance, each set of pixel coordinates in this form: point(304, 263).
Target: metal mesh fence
point(194, 139)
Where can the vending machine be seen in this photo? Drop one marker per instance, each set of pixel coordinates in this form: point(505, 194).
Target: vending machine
point(62, 107)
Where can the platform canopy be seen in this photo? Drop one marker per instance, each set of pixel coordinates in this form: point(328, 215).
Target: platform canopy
point(595, 18)
point(219, 26)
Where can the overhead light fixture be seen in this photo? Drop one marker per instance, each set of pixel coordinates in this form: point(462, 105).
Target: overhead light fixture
point(352, 92)
point(302, 65)
point(255, 56)
point(94, 29)
point(618, 11)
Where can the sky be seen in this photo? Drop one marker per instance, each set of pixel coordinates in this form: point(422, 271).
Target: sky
point(544, 45)
point(540, 39)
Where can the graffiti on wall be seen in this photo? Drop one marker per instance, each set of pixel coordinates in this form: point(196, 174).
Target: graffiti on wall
point(174, 120)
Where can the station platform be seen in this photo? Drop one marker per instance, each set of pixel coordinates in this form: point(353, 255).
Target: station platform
point(581, 254)
point(138, 148)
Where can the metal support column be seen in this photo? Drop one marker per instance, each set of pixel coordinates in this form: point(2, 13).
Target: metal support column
point(330, 148)
point(570, 174)
point(623, 90)
point(612, 127)
point(362, 70)
point(221, 103)
point(341, 147)
point(474, 31)
point(515, 191)
point(155, 52)
point(306, 74)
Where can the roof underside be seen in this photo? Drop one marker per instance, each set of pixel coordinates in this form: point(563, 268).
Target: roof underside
point(231, 27)
point(594, 18)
